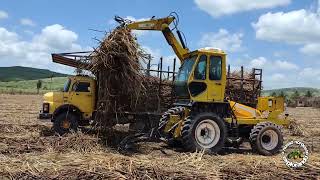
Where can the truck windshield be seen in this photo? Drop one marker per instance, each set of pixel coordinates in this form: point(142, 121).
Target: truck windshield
point(67, 85)
point(180, 84)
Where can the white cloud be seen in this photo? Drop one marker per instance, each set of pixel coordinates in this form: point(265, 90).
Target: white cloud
point(3, 15)
point(283, 73)
point(310, 72)
point(285, 65)
point(223, 40)
point(258, 62)
point(155, 53)
point(7, 36)
point(278, 73)
point(133, 19)
point(278, 77)
point(218, 8)
point(299, 27)
point(269, 65)
point(31, 33)
point(295, 27)
point(311, 49)
point(167, 61)
point(310, 75)
point(37, 52)
point(57, 37)
point(27, 22)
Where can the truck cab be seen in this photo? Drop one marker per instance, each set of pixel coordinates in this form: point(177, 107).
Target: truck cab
point(73, 106)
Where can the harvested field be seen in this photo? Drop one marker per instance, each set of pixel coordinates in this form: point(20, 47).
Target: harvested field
point(30, 150)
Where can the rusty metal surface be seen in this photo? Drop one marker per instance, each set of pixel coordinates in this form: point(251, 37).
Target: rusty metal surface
point(75, 59)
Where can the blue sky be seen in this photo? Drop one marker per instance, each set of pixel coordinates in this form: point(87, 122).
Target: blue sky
point(280, 36)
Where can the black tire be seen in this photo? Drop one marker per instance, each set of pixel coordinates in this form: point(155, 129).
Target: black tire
point(170, 140)
point(259, 139)
point(70, 118)
point(189, 140)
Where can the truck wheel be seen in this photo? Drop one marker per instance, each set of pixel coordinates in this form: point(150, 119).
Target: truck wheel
point(266, 138)
point(168, 136)
point(65, 123)
point(205, 131)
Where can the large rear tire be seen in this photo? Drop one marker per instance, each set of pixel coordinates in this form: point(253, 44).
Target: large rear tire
point(65, 123)
point(205, 131)
point(168, 136)
point(266, 138)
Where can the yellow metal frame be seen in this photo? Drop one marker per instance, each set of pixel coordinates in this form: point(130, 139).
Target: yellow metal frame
point(254, 121)
point(174, 119)
point(162, 24)
point(273, 105)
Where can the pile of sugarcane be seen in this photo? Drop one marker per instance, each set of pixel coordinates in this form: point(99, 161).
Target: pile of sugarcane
point(156, 97)
point(122, 85)
point(244, 89)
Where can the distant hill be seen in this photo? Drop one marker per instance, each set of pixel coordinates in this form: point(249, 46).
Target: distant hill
point(18, 73)
point(290, 91)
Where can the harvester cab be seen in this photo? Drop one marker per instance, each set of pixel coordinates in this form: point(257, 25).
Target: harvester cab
point(203, 118)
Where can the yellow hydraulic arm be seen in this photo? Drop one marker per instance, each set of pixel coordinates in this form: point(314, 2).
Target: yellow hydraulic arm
point(162, 25)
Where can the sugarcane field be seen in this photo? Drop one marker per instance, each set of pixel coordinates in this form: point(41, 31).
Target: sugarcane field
point(160, 90)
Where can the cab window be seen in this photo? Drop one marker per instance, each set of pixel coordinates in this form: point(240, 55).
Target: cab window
point(81, 87)
point(67, 85)
point(200, 70)
point(215, 68)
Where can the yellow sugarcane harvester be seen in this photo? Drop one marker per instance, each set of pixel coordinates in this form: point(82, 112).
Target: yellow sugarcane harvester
point(203, 118)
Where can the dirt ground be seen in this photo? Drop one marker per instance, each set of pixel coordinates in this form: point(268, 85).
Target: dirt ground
point(30, 150)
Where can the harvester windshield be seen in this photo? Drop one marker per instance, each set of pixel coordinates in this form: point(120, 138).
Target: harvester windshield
point(181, 81)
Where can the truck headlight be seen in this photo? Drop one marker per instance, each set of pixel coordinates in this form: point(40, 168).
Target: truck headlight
point(45, 107)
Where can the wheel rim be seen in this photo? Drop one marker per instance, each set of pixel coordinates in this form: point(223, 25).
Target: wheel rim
point(207, 133)
point(65, 124)
point(269, 139)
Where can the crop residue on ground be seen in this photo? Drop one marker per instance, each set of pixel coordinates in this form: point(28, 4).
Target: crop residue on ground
point(30, 150)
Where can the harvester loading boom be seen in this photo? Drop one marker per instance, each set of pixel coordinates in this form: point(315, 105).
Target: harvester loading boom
point(163, 25)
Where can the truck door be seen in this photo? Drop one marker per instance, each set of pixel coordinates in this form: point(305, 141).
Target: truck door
point(216, 81)
point(82, 96)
